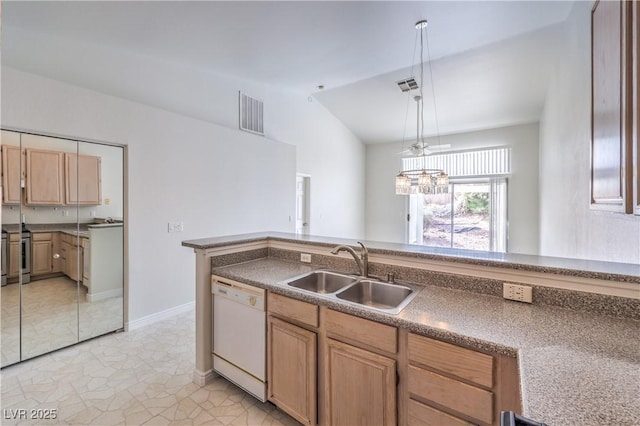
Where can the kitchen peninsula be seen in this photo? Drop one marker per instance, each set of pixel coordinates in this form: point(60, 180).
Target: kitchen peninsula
point(575, 347)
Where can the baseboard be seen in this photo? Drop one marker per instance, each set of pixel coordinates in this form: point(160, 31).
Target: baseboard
point(94, 297)
point(204, 378)
point(159, 316)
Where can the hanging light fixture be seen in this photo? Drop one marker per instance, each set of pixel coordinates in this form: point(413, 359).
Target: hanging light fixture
point(425, 181)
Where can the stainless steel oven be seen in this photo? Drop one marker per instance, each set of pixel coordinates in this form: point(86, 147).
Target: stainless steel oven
point(25, 253)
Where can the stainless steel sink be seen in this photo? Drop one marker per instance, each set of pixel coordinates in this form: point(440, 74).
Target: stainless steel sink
point(322, 282)
point(391, 298)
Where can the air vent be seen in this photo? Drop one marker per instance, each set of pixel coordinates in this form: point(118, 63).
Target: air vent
point(407, 84)
point(251, 115)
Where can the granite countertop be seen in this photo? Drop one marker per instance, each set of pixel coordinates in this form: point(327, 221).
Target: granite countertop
point(575, 367)
point(74, 229)
point(615, 271)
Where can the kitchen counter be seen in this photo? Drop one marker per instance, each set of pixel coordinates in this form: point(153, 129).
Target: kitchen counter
point(592, 269)
point(74, 229)
point(575, 367)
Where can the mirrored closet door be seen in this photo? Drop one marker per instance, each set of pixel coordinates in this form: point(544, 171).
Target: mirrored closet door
point(62, 220)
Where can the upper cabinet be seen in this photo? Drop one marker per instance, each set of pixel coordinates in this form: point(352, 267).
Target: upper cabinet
point(12, 168)
point(83, 179)
point(636, 105)
point(44, 177)
point(51, 176)
point(614, 129)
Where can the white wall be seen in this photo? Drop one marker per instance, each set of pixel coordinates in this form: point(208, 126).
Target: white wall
point(326, 149)
point(568, 228)
point(386, 211)
point(179, 169)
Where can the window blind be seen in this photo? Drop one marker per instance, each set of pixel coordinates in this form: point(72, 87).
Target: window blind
point(486, 162)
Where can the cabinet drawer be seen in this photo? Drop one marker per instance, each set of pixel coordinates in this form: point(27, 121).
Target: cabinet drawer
point(458, 396)
point(41, 236)
point(423, 415)
point(370, 333)
point(296, 310)
point(464, 363)
point(14, 237)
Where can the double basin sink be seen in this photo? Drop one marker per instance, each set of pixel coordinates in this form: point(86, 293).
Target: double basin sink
point(362, 291)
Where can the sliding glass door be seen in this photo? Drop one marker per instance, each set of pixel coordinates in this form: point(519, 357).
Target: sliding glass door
point(472, 215)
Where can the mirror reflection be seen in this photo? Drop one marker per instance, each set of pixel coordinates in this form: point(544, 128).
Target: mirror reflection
point(62, 225)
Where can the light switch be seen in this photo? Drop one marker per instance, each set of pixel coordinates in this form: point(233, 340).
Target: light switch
point(175, 227)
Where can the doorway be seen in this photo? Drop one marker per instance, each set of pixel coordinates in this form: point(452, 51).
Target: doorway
point(303, 184)
point(471, 215)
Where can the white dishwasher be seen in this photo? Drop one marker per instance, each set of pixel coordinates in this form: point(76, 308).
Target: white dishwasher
point(239, 335)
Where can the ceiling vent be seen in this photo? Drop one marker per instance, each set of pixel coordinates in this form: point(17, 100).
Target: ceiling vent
point(407, 84)
point(251, 115)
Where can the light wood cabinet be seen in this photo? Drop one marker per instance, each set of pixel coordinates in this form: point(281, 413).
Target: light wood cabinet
point(455, 385)
point(614, 106)
point(370, 373)
point(423, 415)
point(41, 253)
point(293, 310)
point(71, 256)
point(361, 386)
point(74, 262)
point(44, 177)
point(636, 104)
point(83, 181)
point(13, 168)
point(291, 369)
point(15, 256)
point(292, 356)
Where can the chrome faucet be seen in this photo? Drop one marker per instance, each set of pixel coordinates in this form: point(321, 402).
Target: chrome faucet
point(362, 261)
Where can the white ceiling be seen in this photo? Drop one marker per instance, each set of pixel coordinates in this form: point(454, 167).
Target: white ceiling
point(493, 70)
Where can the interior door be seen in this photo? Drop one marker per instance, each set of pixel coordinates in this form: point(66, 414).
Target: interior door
point(49, 301)
point(302, 204)
point(99, 193)
point(11, 248)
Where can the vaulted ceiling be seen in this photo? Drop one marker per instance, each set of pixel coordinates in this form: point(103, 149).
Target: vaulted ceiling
point(491, 59)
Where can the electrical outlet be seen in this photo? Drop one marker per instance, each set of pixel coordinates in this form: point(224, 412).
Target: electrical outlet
point(175, 227)
point(305, 257)
point(520, 293)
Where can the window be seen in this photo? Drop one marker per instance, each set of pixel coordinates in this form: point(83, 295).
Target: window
point(473, 214)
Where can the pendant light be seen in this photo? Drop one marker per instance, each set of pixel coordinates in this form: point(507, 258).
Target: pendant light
point(424, 181)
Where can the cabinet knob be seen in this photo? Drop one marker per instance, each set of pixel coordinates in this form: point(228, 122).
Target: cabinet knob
point(56, 256)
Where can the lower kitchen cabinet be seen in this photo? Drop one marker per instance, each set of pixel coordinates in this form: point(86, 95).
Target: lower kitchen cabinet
point(14, 256)
point(41, 253)
point(292, 370)
point(292, 357)
point(72, 256)
point(449, 384)
point(360, 386)
point(370, 373)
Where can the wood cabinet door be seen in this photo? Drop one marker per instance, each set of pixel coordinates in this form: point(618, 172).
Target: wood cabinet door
point(361, 386)
point(611, 107)
point(12, 170)
point(44, 177)
point(41, 257)
point(14, 259)
point(291, 370)
point(73, 266)
point(83, 181)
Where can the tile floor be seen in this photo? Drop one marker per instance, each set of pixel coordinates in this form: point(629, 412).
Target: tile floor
point(52, 317)
point(141, 377)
